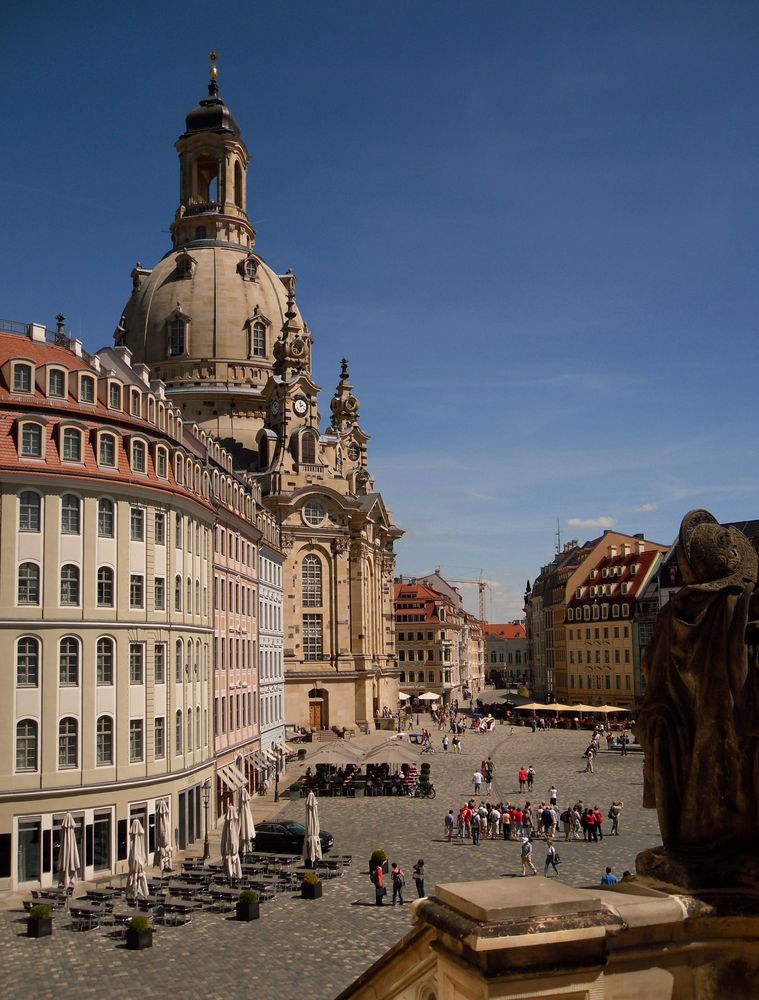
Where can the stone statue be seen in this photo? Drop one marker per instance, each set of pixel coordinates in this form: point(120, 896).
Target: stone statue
point(699, 722)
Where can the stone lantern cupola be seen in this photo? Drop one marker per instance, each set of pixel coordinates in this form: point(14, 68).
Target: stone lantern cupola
point(344, 404)
point(213, 167)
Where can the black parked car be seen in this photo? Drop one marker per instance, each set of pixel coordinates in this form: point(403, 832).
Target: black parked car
point(286, 837)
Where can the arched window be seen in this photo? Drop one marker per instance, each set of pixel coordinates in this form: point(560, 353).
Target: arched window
point(26, 745)
point(308, 448)
point(104, 660)
point(28, 583)
point(188, 609)
point(68, 662)
point(31, 440)
point(107, 450)
point(178, 731)
point(22, 378)
point(105, 517)
point(139, 461)
point(189, 729)
point(70, 521)
point(178, 593)
point(28, 661)
point(105, 587)
point(68, 743)
point(178, 662)
point(311, 572)
point(69, 585)
point(29, 511)
point(258, 340)
point(72, 445)
point(104, 741)
point(238, 186)
point(197, 726)
point(177, 337)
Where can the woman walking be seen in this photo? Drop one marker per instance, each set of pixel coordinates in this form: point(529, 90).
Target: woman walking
point(419, 877)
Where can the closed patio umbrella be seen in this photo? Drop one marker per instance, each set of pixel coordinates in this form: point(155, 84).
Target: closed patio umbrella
point(230, 843)
point(68, 858)
point(247, 830)
point(162, 856)
point(312, 845)
point(137, 884)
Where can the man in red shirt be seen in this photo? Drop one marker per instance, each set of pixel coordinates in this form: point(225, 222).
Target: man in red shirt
point(518, 817)
point(467, 814)
point(522, 778)
point(599, 820)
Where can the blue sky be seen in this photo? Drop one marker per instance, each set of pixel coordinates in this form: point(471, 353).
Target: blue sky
point(532, 229)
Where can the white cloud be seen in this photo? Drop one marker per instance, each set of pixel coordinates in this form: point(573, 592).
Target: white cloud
point(645, 508)
point(591, 522)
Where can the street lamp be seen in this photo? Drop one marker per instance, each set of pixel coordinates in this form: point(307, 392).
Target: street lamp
point(205, 789)
point(276, 779)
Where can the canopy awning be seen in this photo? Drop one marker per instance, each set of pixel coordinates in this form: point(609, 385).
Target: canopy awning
point(231, 777)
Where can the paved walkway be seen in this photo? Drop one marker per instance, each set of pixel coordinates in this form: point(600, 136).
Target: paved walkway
point(320, 946)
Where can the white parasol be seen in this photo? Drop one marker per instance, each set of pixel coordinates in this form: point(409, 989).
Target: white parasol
point(137, 884)
point(312, 845)
point(68, 858)
point(247, 830)
point(230, 843)
point(162, 856)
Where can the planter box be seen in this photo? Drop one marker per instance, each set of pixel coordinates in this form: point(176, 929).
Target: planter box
point(137, 940)
point(39, 928)
point(247, 911)
point(309, 891)
point(359, 792)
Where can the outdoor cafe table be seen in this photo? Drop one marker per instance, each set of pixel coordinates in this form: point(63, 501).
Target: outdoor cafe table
point(85, 916)
point(179, 910)
point(221, 895)
point(183, 889)
point(102, 895)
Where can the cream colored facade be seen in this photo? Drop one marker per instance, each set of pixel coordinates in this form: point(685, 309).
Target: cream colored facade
point(223, 331)
point(100, 718)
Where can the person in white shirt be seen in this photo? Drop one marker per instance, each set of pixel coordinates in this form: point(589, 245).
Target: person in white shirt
point(477, 779)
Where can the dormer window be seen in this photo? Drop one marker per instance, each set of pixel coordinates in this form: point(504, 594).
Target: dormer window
point(114, 395)
point(161, 462)
point(86, 389)
point(134, 402)
point(56, 382)
point(22, 378)
point(184, 263)
point(71, 449)
point(257, 339)
point(31, 440)
point(139, 460)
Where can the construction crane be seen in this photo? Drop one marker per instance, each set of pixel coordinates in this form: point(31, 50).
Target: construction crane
point(483, 586)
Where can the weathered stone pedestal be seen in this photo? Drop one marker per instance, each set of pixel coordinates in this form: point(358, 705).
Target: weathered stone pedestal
point(537, 938)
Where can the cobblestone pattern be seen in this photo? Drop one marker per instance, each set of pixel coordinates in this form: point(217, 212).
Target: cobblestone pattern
point(317, 948)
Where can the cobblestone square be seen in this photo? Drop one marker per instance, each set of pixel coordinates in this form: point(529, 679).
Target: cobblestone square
point(319, 947)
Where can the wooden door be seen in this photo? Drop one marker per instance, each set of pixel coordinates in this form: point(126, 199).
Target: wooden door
point(315, 714)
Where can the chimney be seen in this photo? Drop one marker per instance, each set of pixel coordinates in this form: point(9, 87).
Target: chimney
point(612, 552)
point(640, 547)
point(626, 549)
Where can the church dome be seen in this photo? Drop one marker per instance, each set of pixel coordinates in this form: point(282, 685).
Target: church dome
point(211, 115)
point(231, 304)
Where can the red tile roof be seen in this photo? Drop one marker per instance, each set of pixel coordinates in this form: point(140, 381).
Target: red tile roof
point(510, 630)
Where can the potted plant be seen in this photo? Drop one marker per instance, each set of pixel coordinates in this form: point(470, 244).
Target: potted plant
point(311, 886)
point(139, 933)
point(295, 790)
point(39, 923)
point(378, 860)
point(302, 753)
point(358, 789)
point(247, 905)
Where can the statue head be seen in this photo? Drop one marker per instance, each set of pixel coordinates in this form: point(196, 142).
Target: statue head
point(712, 555)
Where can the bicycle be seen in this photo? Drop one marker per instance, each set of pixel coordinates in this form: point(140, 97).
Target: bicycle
point(425, 792)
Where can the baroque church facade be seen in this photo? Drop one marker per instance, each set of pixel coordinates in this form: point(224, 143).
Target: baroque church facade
point(222, 330)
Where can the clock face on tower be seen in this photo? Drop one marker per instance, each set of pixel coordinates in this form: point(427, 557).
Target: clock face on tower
point(300, 406)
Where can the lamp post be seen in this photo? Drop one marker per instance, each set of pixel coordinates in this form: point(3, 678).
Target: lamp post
point(205, 789)
point(276, 779)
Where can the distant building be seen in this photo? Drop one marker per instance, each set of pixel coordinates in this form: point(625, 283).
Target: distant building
point(600, 625)
point(507, 654)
